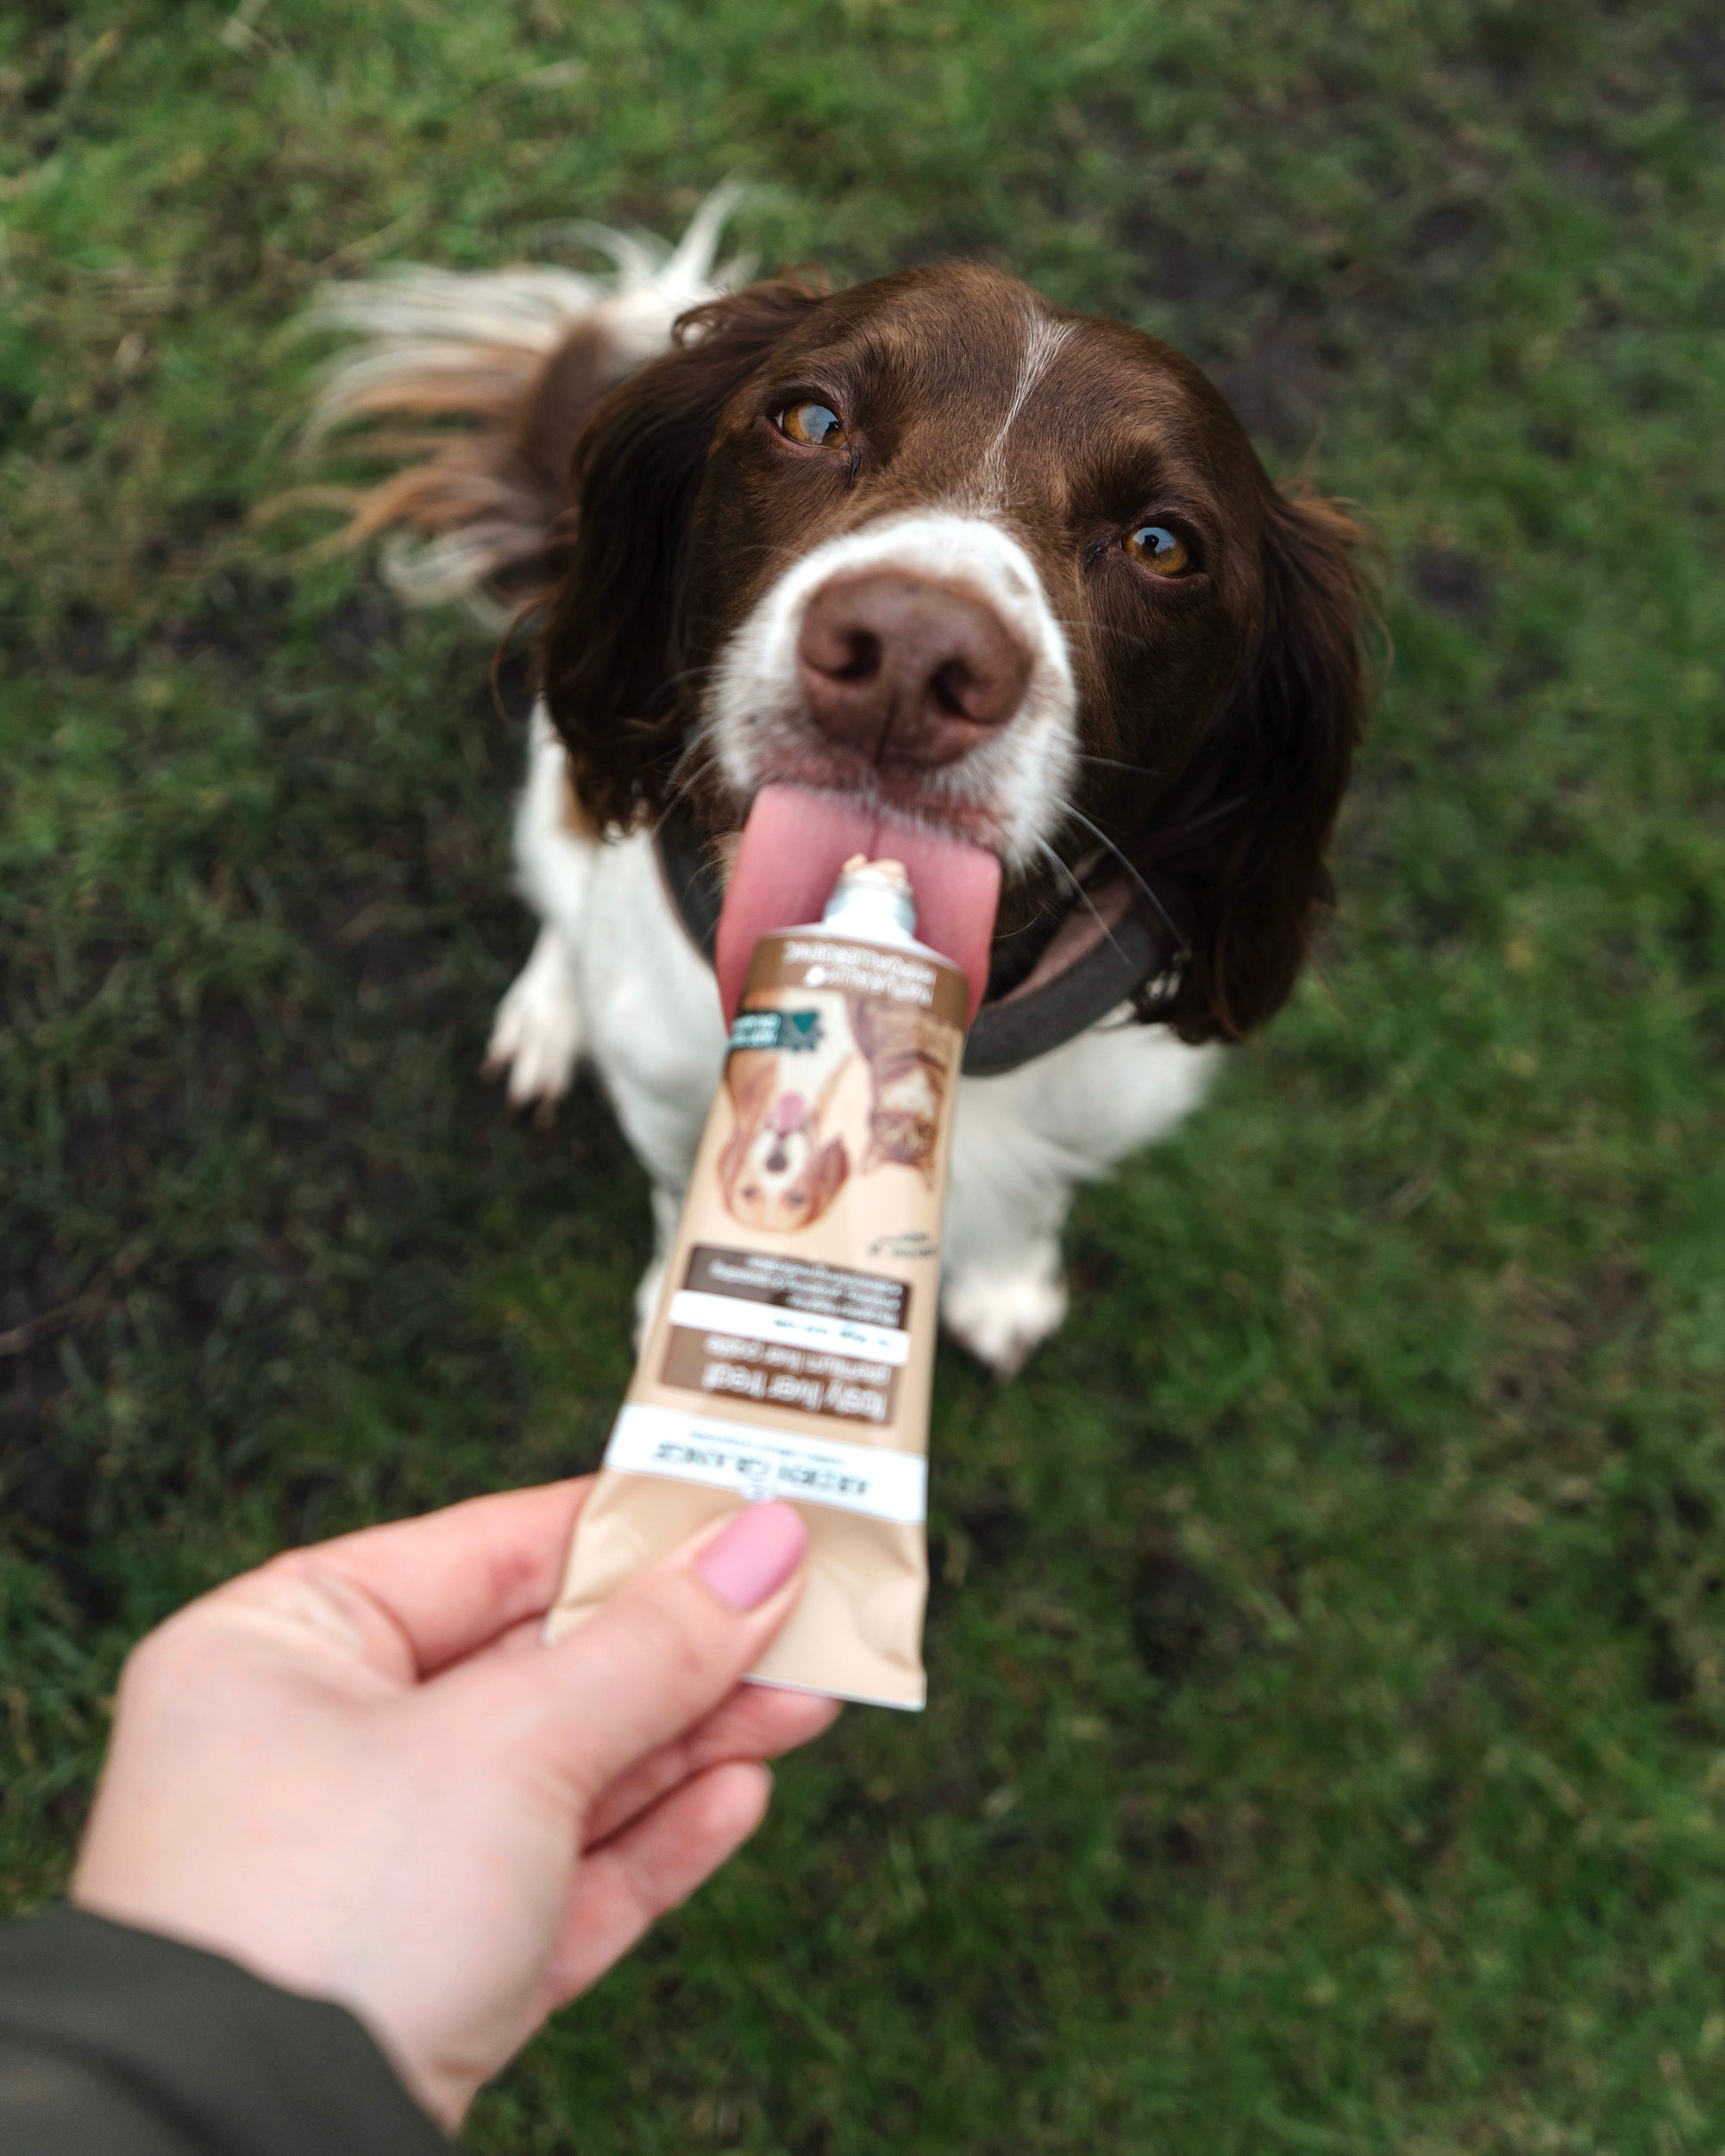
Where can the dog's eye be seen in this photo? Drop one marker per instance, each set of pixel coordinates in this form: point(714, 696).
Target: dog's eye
point(1159, 549)
point(815, 425)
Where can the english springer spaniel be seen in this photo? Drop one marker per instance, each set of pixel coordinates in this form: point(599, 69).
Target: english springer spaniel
point(925, 566)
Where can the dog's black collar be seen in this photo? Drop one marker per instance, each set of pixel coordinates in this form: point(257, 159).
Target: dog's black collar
point(1136, 953)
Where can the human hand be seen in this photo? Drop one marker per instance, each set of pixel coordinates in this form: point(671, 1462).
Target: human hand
point(360, 1773)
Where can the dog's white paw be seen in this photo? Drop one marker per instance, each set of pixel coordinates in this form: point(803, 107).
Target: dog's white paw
point(1000, 1317)
point(536, 1036)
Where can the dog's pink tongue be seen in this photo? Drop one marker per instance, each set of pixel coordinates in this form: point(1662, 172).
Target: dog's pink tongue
point(793, 845)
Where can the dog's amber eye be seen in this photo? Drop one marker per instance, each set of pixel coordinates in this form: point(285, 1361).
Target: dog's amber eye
point(1159, 549)
point(815, 425)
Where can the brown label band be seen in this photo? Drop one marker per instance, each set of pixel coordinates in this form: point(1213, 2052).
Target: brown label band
point(799, 1283)
point(874, 972)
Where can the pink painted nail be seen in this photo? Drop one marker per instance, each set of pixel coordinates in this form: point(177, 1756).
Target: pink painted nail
point(756, 1554)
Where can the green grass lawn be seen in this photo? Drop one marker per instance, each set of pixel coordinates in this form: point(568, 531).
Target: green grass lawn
point(1327, 1749)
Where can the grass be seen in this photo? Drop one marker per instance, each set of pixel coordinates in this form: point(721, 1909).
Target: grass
point(1328, 1746)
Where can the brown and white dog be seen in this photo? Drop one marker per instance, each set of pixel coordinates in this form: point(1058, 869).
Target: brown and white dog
point(927, 561)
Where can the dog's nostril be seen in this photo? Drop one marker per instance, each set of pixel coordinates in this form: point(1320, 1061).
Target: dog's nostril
point(947, 686)
point(862, 660)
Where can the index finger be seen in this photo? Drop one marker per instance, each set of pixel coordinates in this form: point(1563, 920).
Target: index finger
point(451, 1581)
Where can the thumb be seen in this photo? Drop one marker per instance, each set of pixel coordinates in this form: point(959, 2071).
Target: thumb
point(660, 1654)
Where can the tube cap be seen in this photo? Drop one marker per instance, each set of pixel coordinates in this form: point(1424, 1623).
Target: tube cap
point(873, 895)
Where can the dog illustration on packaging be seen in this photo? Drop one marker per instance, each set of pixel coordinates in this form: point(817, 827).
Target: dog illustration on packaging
point(785, 1162)
point(788, 1154)
point(910, 1064)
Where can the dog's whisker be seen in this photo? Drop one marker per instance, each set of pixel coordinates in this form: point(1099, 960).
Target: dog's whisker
point(1141, 770)
point(766, 547)
point(680, 786)
point(1107, 628)
point(693, 677)
point(1089, 902)
point(1183, 950)
point(688, 772)
point(686, 674)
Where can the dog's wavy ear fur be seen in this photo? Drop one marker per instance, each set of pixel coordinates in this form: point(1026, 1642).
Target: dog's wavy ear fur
point(827, 1177)
point(1244, 834)
point(748, 1080)
point(608, 658)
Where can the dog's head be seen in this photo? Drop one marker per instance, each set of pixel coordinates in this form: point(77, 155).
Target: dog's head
point(774, 1170)
point(1011, 573)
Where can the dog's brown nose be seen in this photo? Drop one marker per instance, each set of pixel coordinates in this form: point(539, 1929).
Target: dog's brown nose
point(905, 671)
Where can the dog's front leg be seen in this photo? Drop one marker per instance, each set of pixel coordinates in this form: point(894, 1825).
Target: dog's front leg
point(656, 1035)
point(1003, 1291)
point(537, 1036)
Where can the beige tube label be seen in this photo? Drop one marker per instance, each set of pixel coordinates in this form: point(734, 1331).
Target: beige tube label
point(792, 1350)
point(757, 1465)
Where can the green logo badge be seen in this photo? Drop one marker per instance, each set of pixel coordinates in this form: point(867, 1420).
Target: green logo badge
point(790, 1031)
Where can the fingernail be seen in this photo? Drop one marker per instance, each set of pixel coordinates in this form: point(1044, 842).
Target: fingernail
point(757, 1553)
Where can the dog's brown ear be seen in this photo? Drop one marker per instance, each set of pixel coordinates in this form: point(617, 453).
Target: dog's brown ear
point(748, 1080)
point(608, 649)
point(861, 1013)
point(827, 1173)
point(1245, 834)
point(732, 1155)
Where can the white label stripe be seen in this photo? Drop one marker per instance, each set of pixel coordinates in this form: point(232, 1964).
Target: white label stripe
point(881, 1482)
point(702, 1312)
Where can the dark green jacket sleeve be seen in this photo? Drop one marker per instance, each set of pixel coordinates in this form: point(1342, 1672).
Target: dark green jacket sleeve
point(116, 2042)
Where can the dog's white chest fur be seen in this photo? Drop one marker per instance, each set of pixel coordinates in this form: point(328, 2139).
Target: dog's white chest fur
point(613, 976)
